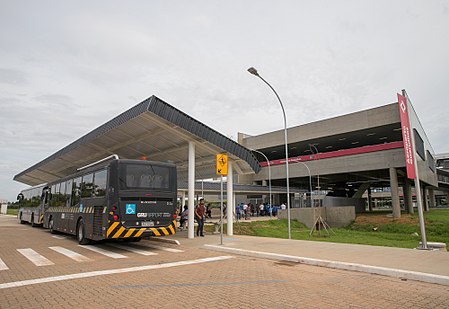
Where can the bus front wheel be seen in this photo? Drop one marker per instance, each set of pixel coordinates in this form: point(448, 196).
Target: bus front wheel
point(22, 221)
point(51, 226)
point(32, 221)
point(81, 233)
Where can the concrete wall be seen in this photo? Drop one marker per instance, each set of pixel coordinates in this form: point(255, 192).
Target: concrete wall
point(3, 208)
point(374, 117)
point(333, 201)
point(334, 216)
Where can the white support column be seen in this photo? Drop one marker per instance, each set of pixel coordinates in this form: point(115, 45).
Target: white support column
point(395, 193)
point(230, 200)
point(191, 193)
point(408, 198)
point(431, 197)
point(425, 198)
point(183, 200)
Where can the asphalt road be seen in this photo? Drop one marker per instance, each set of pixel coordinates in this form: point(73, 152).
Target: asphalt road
point(41, 270)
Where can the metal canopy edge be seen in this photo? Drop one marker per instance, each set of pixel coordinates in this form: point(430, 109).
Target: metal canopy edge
point(126, 136)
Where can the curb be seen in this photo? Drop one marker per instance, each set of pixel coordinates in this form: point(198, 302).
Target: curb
point(390, 272)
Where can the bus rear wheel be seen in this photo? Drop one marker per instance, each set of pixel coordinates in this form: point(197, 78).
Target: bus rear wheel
point(81, 233)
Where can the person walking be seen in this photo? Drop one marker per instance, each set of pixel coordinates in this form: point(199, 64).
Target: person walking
point(200, 210)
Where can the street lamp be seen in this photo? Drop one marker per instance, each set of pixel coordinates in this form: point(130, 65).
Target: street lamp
point(254, 72)
point(317, 174)
point(269, 174)
point(310, 180)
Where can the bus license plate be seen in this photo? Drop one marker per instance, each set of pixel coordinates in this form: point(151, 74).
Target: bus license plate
point(147, 223)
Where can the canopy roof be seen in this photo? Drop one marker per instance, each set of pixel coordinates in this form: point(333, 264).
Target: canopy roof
point(152, 128)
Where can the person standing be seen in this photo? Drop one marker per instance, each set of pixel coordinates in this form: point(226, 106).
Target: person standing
point(200, 210)
point(261, 208)
point(184, 217)
point(245, 211)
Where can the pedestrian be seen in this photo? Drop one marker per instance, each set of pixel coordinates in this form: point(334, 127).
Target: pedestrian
point(267, 209)
point(208, 211)
point(224, 210)
point(245, 211)
point(200, 210)
point(261, 208)
point(184, 217)
point(275, 210)
point(237, 211)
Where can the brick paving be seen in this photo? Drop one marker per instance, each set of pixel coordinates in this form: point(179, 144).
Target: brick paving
point(240, 282)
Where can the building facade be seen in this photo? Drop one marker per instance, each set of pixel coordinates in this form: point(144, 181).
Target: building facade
point(347, 158)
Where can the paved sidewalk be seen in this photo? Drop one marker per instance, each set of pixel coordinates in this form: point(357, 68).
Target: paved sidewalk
point(422, 265)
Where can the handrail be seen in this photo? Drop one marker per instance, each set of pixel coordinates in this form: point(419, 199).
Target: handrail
point(114, 156)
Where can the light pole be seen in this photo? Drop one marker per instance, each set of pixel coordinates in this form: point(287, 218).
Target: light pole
point(317, 174)
point(254, 72)
point(310, 180)
point(269, 174)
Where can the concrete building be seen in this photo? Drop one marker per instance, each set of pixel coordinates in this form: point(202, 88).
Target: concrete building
point(442, 192)
point(349, 157)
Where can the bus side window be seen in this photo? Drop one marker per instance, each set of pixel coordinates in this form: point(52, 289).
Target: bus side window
point(76, 191)
point(68, 192)
point(100, 183)
point(61, 194)
point(53, 196)
point(87, 185)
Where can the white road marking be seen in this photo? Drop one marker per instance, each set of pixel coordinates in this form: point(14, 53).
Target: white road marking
point(104, 252)
point(384, 271)
point(132, 249)
point(3, 265)
point(59, 237)
point(71, 254)
point(35, 257)
point(164, 248)
point(110, 271)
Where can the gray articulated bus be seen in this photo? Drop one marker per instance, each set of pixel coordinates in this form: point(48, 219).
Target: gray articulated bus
point(109, 199)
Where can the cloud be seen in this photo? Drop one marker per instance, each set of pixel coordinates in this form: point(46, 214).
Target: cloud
point(13, 77)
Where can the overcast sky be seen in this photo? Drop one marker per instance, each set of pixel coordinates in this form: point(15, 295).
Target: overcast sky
point(67, 67)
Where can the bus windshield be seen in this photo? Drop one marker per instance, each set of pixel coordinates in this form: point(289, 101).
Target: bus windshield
point(144, 176)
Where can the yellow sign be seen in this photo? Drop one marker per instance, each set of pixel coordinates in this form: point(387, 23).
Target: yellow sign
point(221, 161)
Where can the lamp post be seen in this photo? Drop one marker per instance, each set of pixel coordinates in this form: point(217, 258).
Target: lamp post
point(317, 174)
point(269, 174)
point(254, 72)
point(310, 180)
